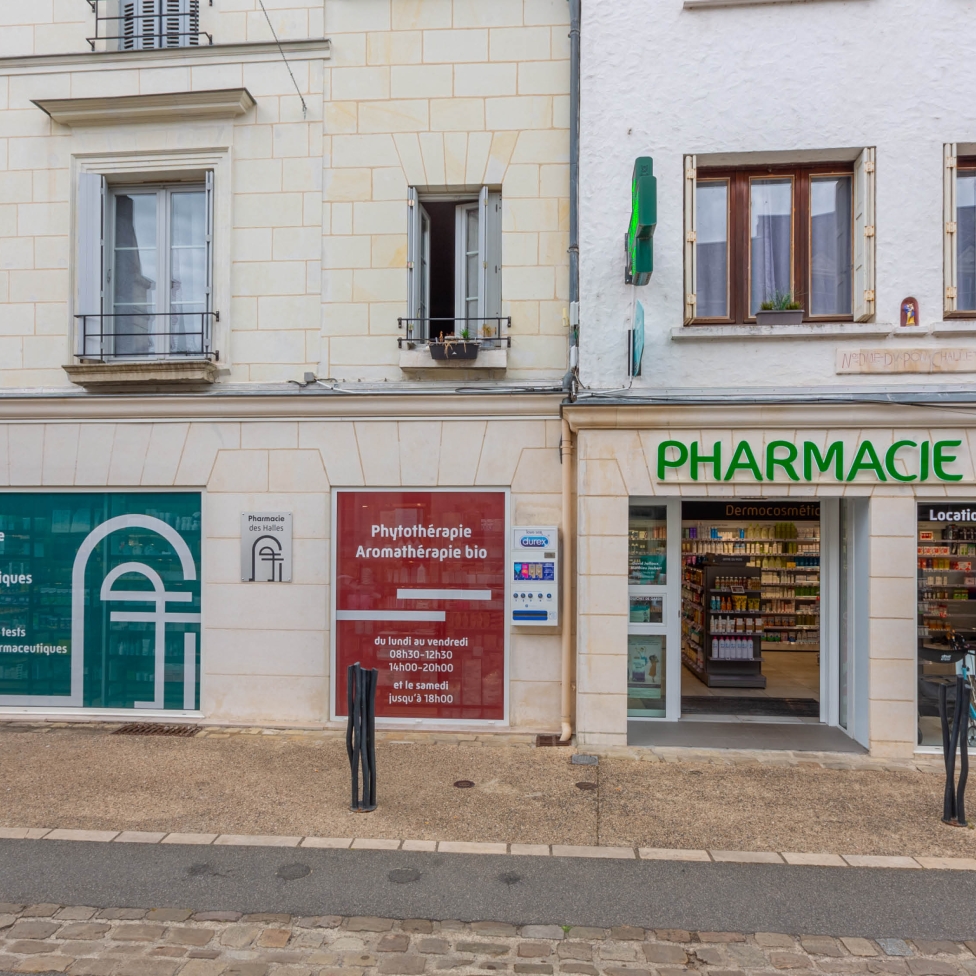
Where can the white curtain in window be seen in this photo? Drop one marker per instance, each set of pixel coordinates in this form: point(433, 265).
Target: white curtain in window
point(712, 246)
point(188, 270)
point(966, 240)
point(831, 255)
point(135, 274)
point(771, 244)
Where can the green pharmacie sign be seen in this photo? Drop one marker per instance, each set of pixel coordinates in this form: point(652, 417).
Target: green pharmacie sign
point(782, 460)
point(100, 599)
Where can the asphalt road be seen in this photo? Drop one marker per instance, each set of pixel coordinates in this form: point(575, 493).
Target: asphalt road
point(873, 903)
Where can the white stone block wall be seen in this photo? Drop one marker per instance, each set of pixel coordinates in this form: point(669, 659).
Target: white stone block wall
point(432, 94)
point(64, 26)
point(444, 93)
point(253, 673)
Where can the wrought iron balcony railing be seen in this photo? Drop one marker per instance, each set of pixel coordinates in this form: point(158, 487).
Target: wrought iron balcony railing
point(145, 25)
point(492, 332)
point(157, 335)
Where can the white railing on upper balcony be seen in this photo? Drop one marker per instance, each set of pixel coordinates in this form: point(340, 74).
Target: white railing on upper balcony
point(143, 25)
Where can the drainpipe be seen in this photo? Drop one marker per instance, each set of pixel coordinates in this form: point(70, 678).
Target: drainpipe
point(569, 541)
point(574, 148)
point(570, 380)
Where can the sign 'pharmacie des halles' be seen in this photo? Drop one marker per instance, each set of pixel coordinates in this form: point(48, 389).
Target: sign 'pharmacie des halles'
point(824, 460)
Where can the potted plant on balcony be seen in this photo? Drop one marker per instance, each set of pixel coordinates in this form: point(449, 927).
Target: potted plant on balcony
point(460, 346)
point(783, 309)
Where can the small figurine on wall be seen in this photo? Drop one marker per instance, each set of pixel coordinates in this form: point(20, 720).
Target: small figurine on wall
point(909, 312)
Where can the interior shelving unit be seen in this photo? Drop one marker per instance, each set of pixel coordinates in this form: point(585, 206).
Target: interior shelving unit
point(716, 611)
point(790, 575)
point(946, 570)
point(946, 585)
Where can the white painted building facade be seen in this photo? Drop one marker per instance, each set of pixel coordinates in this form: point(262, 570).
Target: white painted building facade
point(822, 152)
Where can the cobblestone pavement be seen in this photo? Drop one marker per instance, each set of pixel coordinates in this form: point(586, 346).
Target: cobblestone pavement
point(83, 941)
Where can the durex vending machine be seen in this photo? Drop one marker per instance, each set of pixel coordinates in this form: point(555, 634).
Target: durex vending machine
point(535, 576)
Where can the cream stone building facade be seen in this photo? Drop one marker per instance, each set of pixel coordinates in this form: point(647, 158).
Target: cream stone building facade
point(212, 302)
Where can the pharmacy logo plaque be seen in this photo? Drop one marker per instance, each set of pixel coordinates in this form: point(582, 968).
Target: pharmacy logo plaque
point(266, 547)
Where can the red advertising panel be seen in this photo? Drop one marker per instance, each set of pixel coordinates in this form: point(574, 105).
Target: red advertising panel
point(420, 595)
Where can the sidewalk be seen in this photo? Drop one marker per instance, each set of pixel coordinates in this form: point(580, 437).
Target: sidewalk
point(82, 941)
point(296, 784)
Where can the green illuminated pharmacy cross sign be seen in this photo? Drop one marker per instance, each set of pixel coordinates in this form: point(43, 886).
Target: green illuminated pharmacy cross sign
point(643, 219)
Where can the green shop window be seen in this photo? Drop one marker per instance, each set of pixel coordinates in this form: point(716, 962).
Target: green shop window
point(100, 600)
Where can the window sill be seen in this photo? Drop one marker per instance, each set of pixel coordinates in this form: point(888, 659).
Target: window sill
point(954, 327)
point(419, 358)
point(806, 330)
point(159, 373)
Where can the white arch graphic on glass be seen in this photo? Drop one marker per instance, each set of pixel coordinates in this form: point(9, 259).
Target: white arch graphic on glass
point(159, 595)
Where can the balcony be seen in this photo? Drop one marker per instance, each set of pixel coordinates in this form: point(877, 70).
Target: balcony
point(147, 348)
point(454, 343)
point(144, 25)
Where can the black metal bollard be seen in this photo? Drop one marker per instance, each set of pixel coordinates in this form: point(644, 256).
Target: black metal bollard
point(361, 734)
point(954, 801)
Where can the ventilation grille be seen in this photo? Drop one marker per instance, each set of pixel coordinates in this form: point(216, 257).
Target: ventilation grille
point(550, 740)
point(151, 728)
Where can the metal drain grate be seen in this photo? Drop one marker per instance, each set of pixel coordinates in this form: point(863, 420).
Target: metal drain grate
point(151, 728)
point(542, 741)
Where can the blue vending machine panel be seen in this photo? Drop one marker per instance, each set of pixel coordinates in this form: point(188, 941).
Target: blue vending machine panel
point(535, 576)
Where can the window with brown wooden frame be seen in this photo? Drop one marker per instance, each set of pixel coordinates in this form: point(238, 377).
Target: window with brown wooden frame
point(965, 235)
point(766, 235)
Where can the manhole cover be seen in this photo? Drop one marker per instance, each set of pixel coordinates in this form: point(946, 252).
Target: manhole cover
point(292, 872)
point(580, 759)
point(463, 784)
point(152, 728)
point(586, 786)
point(404, 875)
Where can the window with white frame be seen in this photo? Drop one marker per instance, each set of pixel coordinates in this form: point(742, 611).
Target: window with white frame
point(757, 237)
point(148, 293)
point(150, 24)
point(454, 265)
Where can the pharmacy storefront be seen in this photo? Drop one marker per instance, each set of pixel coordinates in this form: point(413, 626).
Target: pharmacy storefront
point(221, 567)
point(780, 569)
